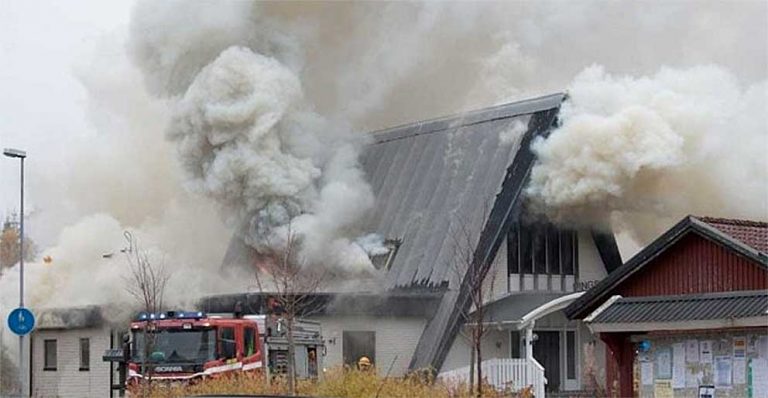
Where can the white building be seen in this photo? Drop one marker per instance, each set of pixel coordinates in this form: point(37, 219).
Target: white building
point(66, 350)
point(450, 187)
point(450, 204)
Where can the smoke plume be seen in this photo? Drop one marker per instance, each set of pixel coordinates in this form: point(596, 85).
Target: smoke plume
point(257, 109)
point(682, 141)
point(245, 134)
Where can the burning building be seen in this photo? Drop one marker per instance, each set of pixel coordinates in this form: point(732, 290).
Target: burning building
point(441, 184)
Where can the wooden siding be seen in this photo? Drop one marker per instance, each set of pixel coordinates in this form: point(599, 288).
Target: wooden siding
point(695, 265)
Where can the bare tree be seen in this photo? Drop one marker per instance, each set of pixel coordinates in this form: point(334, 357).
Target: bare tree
point(480, 279)
point(283, 274)
point(146, 284)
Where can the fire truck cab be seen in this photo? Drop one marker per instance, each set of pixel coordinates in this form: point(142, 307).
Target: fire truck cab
point(188, 346)
point(182, 345)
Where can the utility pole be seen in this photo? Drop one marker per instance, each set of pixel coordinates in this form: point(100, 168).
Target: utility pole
point(21, 155)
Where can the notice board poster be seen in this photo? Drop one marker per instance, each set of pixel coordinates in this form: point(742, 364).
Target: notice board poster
point(723, 371)
point(664, 363)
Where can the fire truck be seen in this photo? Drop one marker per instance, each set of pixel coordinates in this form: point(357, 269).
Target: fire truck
point(189, 346)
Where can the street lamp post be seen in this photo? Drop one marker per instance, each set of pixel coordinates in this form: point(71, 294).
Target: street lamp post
point(21, 155)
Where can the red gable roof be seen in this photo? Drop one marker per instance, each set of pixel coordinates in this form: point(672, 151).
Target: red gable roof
point(751, 233)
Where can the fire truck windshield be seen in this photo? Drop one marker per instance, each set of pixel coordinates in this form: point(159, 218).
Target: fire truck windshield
point(174, 345)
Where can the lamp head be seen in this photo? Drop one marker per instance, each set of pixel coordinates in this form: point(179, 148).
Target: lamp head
point(14, 153)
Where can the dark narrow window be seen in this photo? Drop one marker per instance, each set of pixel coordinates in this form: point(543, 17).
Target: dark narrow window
point(570, 344)
point(356, 345)
point(513, 264)
point(228, 348)
point(514, 344)
point(526, 265)
point(540, 248)
point(566, 252)
point(49, 355)
point(85, 354)
point(553, 250)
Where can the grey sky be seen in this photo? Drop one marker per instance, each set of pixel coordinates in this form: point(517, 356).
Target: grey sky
point(42, 105)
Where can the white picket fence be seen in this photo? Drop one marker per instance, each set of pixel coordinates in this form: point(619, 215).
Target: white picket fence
point(513, 373)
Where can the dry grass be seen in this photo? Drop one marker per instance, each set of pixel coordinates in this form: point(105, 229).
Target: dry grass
point(337, 383)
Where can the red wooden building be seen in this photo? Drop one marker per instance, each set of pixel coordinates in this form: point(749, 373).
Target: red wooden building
point(703, 282)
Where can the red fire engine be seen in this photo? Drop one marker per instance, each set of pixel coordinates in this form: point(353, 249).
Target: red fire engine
point(188, 346)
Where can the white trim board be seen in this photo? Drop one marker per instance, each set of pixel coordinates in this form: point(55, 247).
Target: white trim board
point(759, 321)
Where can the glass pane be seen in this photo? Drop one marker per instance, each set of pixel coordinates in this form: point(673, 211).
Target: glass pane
point(566, 252)
point(49, 348)
point(513, 265)
point(175, 345)
point(250, 341)
point(570, 344)
point(514, 342)
point(228, 345)
point(553, 250)
point(526, 258)
point(540, 248)
point(85, 354)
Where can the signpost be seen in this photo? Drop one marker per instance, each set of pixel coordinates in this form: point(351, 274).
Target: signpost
point(21, 321)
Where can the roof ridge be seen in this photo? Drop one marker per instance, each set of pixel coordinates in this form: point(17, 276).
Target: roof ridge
point(733, 221)
point(695, 296)
point(467, 118)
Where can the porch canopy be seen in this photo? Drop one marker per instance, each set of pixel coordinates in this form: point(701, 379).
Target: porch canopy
point(520, 310)
point(681, 312)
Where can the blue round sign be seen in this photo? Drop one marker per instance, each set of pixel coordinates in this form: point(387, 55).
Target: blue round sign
point(21, 321)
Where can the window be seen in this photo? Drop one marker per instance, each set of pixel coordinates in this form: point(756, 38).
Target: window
point(570, 354)
point(228, 344)
point(85, 354)
point(526, 252)
point(251, 347)
point(514, 344)
point(358, 344)
point(49, 355)
point(541, 249)
point(513, 265)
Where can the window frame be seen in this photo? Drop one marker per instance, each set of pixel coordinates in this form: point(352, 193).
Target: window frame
point(47, 366)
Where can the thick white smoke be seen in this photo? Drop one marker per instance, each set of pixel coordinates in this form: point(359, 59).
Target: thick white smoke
point(682, 141)
point(246, 135)
point(375, 65)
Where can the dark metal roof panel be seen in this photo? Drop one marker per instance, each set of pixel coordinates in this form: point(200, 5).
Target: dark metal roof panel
point(686, 308)
point(426, 181)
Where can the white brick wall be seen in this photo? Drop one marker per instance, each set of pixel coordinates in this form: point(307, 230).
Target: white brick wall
point(394, 337)
point(68, 380)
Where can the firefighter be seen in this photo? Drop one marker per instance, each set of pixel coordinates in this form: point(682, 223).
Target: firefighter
point(364, 364)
